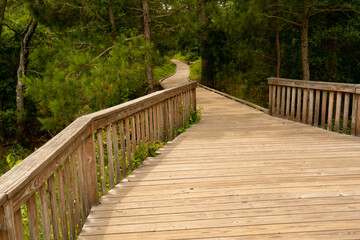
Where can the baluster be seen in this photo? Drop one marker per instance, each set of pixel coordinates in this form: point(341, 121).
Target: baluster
point(110, 156)
point(44, 213)
point(91, 171)
point(62, 205)
point(133, 136)
point(305, 105)
point(311, 107)
point(270, 99)
point(19, 225)
point(75, 182)
point(317, 108)
point(82, 183)
point(122, 146)
point(338, 111)
point(69, 199)
point(171, 118)
point(116, 152)
point(298, 107)
point(99, 133)
point(323, 108)
point(293, 101)
point(53, 208)
point(10, 221)
point(283, 93)
point(346, 112)
point(330, 111)
point(274, 88)
point(288, 93)
point(278, 101)
point(151, 124)
point(138, 132)
point(147, 128)
point(128, 142)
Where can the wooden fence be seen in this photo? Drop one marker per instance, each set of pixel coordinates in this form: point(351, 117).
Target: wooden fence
point(50, 193)
point(333, 106)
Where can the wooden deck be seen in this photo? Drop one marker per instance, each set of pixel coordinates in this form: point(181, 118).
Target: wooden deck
point(238, 174)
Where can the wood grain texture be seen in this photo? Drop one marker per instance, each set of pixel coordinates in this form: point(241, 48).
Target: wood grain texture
point(44, 213)
point(69, 202)
point(338, 111)
point(346, 112)
point(283, 94)
point(123, 149)
point(310, 113)
point(75, 185)
point(32, 218)
point(62, 204)
point(116, 152)
point(109, 147)
point(255, 177)
point(293, 102)
point(53, 208)
point(128, 141)
point(323, 108)
point(101, 161)
point(298, 105)
point(330, 111)
point(288, 98)
point(317, 108)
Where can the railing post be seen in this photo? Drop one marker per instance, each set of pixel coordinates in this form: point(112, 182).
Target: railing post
point(9, 232)
point(356, 109)
point(91, 170)
point(193, 98)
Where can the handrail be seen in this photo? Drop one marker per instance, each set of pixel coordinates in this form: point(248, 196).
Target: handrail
point(333, 106)
point(64, 173)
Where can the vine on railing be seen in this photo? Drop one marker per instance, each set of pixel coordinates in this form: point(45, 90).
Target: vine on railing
point(333, 106)
point(49, 195)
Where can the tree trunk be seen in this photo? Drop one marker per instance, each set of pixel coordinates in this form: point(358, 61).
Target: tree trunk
point(277, 36)
point(112, 20)
point(2, 130)
point(147, 34)
point(305, 48)
point(23, 60)
point(2, 13)
point(204, 44)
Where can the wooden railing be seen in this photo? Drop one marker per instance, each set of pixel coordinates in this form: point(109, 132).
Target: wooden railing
point(65, 177)
point(333, 106)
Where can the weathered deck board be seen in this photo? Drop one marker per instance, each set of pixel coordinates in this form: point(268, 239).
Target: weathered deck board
point(240, 174)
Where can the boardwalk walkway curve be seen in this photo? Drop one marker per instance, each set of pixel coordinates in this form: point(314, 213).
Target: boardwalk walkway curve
point(238, 174)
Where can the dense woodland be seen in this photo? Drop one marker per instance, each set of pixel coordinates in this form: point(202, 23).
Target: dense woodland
point(63, 59)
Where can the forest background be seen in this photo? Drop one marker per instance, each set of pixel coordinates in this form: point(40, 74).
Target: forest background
point(60, 59)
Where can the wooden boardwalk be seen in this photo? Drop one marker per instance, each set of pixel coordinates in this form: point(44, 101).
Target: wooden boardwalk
point(238, 174)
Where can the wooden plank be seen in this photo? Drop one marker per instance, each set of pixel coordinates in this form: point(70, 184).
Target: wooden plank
point(138, 132)
point(273, 97)
point(91, 171)
point(62, 204)
point(19, 225)
point(325, 86)
point(278, 101)
point(84, 200)
point(53, 208)
point(32, 218)
point(116, 151)
point(193, 98)
point(283, 94)
point(270, 99)
point(128, 142)
point(293, 102)
point(166, 118)
point(133, 136)
point(122, 146)
point(323, 108)
point(311, 107)
point(298, 106)
point(305, 105)
point(288, 98)
point(9, 219)
point(357, 124)
point(171, 118)
point(330, 111)
point(346, 112)
point(353, 114)
point(75, 185)
point(143, 128)
point(317, 108)
point(109, 147)
point(338, 111)
point(159, 122)
point(151, 124)
point(69, 202)
point(102, 173)
point(147, 127)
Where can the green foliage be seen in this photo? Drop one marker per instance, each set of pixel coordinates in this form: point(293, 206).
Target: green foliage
point(14, 156)
point(75, 83)
point(195, 70)
point(164, 68)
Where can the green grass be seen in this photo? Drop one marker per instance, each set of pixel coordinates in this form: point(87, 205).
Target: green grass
point(159, 72)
